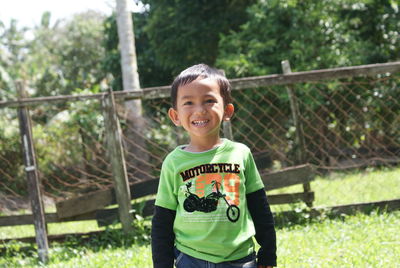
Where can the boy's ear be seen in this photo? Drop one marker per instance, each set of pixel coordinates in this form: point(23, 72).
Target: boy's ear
point(228, 113)
point(173, 115)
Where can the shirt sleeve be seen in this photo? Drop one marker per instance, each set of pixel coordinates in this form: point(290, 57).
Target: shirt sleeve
point(167, 192)
point(162, 237)
point(264, 224)
point(253, 179)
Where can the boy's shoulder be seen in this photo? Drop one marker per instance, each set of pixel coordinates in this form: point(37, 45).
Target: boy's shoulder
point(228, 146)
point(239, 145)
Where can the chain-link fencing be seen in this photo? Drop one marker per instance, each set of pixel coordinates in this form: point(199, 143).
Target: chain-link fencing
point(341, 122)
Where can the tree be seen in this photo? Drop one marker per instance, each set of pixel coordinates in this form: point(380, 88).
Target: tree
point(311, 35)
point(68, 56)
point(183, 33)
point(136, 154)
point(190, 36)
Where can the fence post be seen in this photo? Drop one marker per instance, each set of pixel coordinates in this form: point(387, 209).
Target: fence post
point(301, 154)
point(227, 129)
point(35, 196)
point(118, 166)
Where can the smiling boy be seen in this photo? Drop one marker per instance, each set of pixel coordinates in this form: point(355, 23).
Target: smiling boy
point(211, 200)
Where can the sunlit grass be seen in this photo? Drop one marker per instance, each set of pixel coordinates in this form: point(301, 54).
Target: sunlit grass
point(353, 241)
point(358, 241)
point(350, 187)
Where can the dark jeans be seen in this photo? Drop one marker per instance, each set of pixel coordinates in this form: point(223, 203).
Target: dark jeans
point(185, 261)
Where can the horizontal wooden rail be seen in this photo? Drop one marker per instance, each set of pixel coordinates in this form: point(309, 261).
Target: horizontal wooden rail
point(315, 75)
point(348, 209)
point(287, 177)
point(50, 218)
point(279, 199)
point(237, 84)
point(109, 216)
point(100, 199)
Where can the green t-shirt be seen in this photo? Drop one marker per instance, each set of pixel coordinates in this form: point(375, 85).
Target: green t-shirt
point(196, 185)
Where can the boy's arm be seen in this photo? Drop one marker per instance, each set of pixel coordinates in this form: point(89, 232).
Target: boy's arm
point(163, 237)
point(264, 224)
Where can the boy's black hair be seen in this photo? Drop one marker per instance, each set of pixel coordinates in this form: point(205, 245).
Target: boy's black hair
point(203, 71)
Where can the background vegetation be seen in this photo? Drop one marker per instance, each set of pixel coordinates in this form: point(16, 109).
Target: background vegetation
point(243, 37)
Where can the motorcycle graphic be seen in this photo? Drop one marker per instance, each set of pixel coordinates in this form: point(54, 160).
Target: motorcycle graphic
point(209, 203)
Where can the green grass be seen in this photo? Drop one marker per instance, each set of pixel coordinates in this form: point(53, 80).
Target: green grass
point(352, 241)
point(357, 241)
point(350, 187)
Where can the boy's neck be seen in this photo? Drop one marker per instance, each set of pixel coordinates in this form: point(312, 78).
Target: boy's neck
point(197, 146)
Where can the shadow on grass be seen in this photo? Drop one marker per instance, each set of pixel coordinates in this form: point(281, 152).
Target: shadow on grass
point(305, 216)
point(74, 246)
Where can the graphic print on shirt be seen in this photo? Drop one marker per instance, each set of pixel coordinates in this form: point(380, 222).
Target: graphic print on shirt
point(209, 203)
point(197, 200)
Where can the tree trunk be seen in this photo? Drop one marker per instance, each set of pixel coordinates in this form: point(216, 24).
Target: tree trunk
point(137, 158)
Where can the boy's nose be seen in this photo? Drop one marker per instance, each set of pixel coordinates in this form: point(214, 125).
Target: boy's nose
point(200, 109)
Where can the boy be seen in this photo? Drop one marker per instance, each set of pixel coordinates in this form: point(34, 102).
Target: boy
point(210, 200)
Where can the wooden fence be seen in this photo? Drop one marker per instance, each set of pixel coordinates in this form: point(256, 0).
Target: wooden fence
point(92, 206)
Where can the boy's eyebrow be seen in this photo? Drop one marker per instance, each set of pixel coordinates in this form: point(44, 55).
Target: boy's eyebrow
point(184, 97)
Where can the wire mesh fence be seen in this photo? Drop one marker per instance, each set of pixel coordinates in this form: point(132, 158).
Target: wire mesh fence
point(346, 123)
point(349, 122)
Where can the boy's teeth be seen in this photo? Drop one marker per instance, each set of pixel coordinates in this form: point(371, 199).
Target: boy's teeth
point(200, 122)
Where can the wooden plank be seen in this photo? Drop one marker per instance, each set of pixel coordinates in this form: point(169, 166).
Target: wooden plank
point(315, 75)
point(237, 83)
point(301, 152)
point(85, 203)
point(32, 176)
point(118, 165)
point(287, 177)
point(64, 98)
point(100, 199)
point(109, 216)
point(144, 188)
point(278, 199)
point(350, 209)
point(55, 238)
point(27, 219)
point(388, 205)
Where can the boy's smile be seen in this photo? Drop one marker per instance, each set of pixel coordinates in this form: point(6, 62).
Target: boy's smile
point(200, 110)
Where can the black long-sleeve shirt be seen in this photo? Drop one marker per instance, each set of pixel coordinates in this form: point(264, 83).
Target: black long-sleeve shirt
point(163, 237)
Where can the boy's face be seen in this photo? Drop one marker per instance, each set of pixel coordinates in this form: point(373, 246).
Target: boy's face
point(200, 109)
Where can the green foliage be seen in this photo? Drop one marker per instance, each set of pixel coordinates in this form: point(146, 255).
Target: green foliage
point(311, 35)
point(192, 32)
point(151, 73)
point(68, 56)
point(56, 58)
point(164, 49)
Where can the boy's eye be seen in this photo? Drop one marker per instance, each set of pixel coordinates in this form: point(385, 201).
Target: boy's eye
point(211, 101)
point(188, 103)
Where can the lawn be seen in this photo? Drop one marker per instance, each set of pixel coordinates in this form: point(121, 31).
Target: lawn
point(349, 241)
point(353, 241)
point(350, 187)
